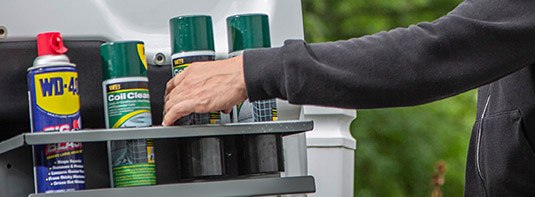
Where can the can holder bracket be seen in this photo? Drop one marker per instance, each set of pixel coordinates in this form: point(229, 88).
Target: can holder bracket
point(12, 153)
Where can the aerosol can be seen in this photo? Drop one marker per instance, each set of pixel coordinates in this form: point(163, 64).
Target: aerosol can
point(127, 104)
point(258, 154)
point(192, 41)
point(55, 106)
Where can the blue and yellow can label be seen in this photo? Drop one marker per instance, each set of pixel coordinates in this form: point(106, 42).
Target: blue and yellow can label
point(55, 106)
point(57, 92)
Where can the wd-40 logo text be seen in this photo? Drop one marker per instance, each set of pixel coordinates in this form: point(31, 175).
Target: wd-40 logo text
point(57, 92)
point(55, 86)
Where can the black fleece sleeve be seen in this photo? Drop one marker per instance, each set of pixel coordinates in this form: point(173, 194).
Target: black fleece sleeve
point(478, 42)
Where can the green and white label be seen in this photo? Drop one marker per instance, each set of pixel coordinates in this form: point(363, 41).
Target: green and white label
point(128, 105)
point(181, 62)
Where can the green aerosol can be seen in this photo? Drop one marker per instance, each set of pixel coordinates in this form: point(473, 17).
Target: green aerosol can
point(192, 40)
point(257, 154)
point(127, 104)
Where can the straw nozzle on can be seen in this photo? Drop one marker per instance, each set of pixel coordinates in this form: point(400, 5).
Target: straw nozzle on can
point(50, 43)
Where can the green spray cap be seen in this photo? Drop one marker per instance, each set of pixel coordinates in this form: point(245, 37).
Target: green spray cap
point(123, 59)
point(248, 31)
point(191, 33)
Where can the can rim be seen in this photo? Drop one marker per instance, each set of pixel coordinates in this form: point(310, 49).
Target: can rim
point(121, 42)
point(247, 14)
point(192, 53)
point(125, 79)
point(53, 64)
point(189, 16)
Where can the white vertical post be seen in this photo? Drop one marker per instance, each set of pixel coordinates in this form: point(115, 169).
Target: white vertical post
point(295, 153)
point(295, 149)
point(331, 150)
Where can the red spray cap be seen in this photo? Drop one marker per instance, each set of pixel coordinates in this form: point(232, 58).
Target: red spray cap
point(50, 43)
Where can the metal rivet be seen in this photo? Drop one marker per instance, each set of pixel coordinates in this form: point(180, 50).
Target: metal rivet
point(3, 32)
point(159, 59)
point(8, 166)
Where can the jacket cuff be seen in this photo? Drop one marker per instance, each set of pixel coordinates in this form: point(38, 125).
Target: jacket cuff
point(264, 73)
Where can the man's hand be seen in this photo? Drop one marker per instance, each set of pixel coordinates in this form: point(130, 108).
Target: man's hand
point(205, 87)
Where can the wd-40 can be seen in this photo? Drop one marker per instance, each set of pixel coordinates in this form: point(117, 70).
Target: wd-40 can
point(192, 41)
point(258, 154)
point(127, 104)
point(55, 106)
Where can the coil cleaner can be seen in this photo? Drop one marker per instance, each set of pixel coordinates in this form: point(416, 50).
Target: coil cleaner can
point(55, 106)
point(258, 154)
point(127, 104)
point(192, 41)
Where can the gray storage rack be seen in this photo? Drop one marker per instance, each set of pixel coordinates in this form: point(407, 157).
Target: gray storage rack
point(244, 187)
point(99, 135)
point(11, 152)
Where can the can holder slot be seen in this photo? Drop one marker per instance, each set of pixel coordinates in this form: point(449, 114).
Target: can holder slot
point(16, 168)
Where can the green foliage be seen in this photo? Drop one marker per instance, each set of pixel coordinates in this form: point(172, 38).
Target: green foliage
point(327, 20)
point(397, 149)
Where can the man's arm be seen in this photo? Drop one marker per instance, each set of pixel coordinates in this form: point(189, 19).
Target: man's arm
point(477, 43)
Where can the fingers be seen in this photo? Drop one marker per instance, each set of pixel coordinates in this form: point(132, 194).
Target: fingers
point(178, 111)
point(178, 94)
point(227, 111)
point(204, 87)
point(173, 82)
point(170, 103)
